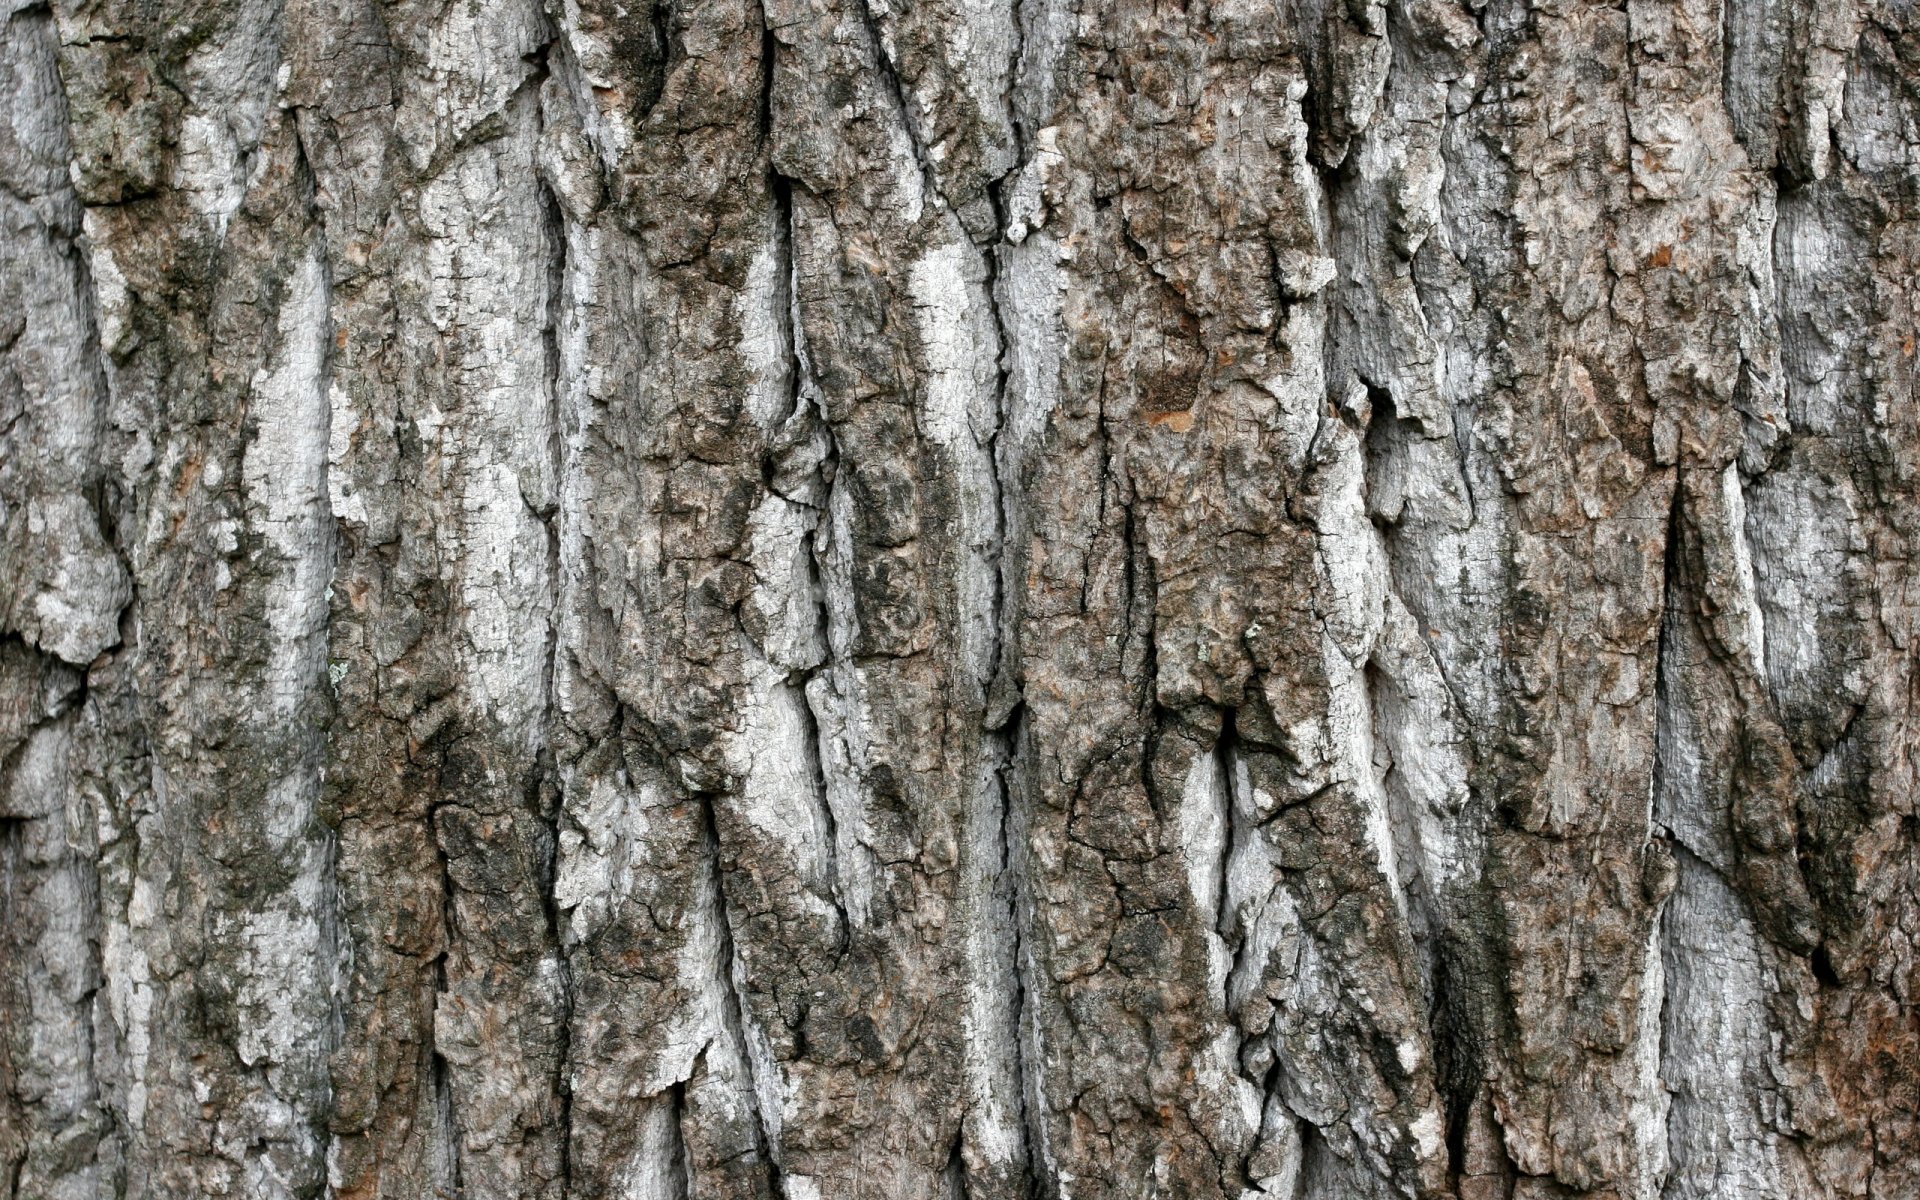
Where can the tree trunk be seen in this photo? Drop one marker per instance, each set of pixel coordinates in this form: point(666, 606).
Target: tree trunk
point(915, 600)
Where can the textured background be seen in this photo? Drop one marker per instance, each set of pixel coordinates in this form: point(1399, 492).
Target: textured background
point(916, 599)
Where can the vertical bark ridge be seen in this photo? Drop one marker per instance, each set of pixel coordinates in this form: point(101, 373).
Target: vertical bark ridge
point(217, 375)
point(60, 622)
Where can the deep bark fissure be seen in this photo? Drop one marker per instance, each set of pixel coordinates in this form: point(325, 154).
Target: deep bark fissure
point(1016, 119)
point(545, 786)
point(1000, 737)
point(446, 1130)
point(801, 387)
point(956, 1170)
point(446, 1115)
point(679, 1154)
point(890, 82)
point(332, 917)
point(13, 831)
point(1004, 744)
point(734, 1011)
point(1226, 750)
point(1673, 606)
point(814, 738)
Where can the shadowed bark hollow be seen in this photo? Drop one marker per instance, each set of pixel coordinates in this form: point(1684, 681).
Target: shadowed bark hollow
point(936, 599)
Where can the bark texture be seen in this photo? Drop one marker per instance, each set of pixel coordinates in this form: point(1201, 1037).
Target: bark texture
point(919, 599)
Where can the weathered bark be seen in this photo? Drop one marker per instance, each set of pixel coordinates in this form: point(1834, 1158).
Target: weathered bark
point(748, 598)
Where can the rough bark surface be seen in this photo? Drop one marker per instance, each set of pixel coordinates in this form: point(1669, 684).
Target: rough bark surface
point(919, 599)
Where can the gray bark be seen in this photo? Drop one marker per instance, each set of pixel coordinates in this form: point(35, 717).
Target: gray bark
point(910, 599)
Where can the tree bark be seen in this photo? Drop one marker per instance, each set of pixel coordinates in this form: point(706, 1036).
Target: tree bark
point(909, 599)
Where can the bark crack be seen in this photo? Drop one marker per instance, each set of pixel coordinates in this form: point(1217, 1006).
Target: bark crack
point(545, 783)
point(889, 75)
point(734, 1013)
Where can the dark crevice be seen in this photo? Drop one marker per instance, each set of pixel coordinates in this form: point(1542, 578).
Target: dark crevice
point(1141, 590)
point(1242, 829)
point(1823, 969)
point(1003, 718)
point(446, 1132)
point(666, 53)
point(1455, 971)
point(1018, 901)
point(1314, 1153)
point(955, 1176)
point(680, 1155)
point(799, 393)
point(995, 450)
point(13, 956)
point(1671, 566)
point(890, 78)
point(545, 785)
point(1455, 1074)
point(1226, 922)
point(733, 1008)
point(815, 740)
point(1160, 725)
point(768, 48)
point(1670, 607)
point(1016, 121)
point(446, 1114)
